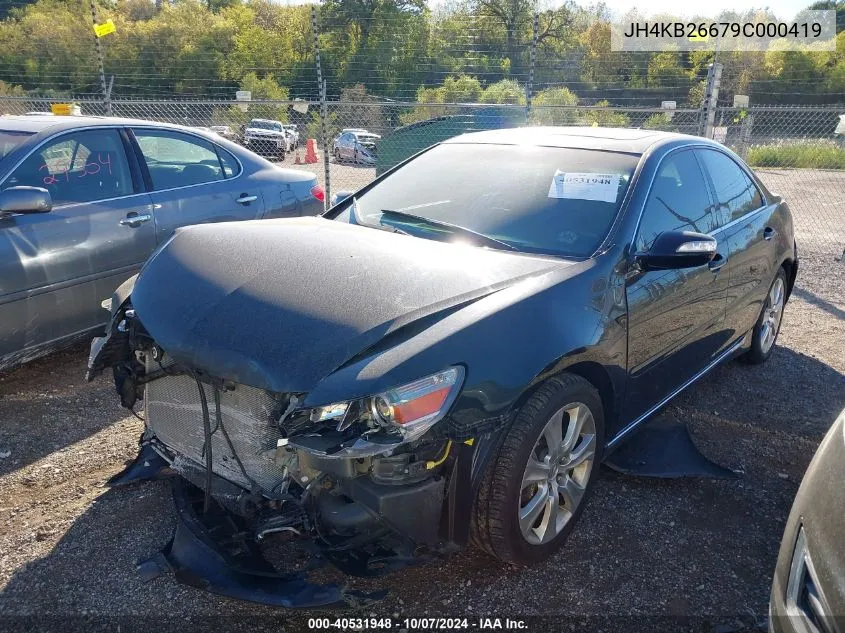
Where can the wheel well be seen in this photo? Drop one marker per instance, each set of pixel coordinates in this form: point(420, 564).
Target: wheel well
point(791, 271)
point(593, 373)
point(597, 376)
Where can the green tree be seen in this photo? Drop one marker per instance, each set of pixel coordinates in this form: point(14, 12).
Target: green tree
point(603, 116)
point(377, 43)
point(504, 91)
point(461, 89)
point(264, 89)
point(665, 71)
point(660, 121)
point(554, 106)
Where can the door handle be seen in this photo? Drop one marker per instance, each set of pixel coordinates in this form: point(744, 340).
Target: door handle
point(135, 220)
point(717, 262)
point(769, 233)
point(246, 199)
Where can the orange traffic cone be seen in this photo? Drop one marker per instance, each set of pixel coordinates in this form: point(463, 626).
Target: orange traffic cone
point(311, 151)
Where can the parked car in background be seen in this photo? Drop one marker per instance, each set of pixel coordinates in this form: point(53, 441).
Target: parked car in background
point(293, 133)
point(225, 131)
point(484, 324)
point(267, 138)
point(356, 145)
point(84, 201)
point(808, 591)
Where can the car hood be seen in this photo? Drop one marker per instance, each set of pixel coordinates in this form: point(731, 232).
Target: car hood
point(257, 131)
point(280, 304)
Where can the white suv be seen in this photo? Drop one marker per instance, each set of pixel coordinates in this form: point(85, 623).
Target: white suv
point(267, 138)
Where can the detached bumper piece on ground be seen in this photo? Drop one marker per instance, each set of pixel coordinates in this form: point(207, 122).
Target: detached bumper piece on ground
point(213, 551)
point(663, 448)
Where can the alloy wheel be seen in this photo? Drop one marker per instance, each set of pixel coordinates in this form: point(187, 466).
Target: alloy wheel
point(772, 314)
point(558, 471)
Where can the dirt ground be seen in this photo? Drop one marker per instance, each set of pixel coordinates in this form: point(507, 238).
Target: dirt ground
point(686, 550)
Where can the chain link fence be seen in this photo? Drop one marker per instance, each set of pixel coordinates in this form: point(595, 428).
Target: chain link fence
point(797, 152)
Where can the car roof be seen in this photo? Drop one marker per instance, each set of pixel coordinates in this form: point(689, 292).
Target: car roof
point(604, 138)
point(39, 123)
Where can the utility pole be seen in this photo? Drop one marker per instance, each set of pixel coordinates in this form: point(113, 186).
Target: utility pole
point(529, 87)
point(321, 87)
point(99, 48)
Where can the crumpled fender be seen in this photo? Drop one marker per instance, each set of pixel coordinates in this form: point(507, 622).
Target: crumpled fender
point(114, 346)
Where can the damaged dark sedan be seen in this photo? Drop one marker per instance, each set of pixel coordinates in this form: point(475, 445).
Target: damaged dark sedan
point(447, 355)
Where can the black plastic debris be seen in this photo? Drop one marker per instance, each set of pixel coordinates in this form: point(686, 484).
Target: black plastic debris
point(663, 448)
point(212, 551)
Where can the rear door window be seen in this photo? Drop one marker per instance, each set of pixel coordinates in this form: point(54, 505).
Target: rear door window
point(231, 167)
point(77, 167)
point(736, 193)
point(178, 160)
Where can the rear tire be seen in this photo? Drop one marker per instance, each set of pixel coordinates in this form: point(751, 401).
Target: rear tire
point(532, 496)
point(765, 332)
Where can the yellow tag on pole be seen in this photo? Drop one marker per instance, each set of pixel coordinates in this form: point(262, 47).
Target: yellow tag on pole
point(101, 30)
point(697, 37)
point(61, 109)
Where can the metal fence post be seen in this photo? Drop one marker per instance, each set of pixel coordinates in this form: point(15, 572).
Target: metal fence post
point(99, 48)
point(745, 135)
point(529, 87)
point(321, 87)
point(324, 116)
point(711, 100)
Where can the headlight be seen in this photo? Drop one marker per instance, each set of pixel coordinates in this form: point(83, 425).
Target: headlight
point(381, 422)
point(419, 403)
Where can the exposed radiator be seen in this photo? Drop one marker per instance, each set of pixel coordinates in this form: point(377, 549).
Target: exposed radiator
point(174, 413)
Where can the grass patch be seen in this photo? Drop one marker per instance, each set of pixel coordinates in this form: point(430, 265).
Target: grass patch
point(817, 155)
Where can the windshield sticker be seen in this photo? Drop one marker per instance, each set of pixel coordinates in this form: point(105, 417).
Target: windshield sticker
point(584, 186)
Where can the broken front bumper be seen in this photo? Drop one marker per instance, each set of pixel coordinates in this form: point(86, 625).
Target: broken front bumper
point(219, 551)
point(209, 551)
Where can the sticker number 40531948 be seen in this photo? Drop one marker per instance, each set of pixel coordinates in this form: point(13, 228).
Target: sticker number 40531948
point(584, 186)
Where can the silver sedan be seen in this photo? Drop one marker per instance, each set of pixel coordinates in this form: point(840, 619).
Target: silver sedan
point(84, 201)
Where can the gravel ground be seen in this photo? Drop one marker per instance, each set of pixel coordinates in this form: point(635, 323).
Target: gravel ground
point(342, 176)
point(644, 548)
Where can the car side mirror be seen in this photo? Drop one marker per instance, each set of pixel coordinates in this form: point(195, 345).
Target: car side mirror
point(340, 196)
point(678, 249)
point(25, 200)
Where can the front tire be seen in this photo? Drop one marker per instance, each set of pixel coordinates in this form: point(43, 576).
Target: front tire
point(538, 484)
point(765, 332)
